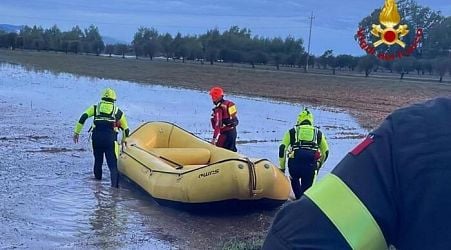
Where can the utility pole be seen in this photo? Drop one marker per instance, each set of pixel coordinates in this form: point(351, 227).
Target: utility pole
point(309, 38)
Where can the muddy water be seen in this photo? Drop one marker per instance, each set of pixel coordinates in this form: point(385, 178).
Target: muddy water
point(49, 198)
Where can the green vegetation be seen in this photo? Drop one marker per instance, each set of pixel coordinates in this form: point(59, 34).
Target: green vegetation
point(367, 64)
point(251, 242)
point(237, 45)
point(234, 45)
point(37, 38)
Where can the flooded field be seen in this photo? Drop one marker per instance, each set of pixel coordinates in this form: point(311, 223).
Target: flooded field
point(50, 198)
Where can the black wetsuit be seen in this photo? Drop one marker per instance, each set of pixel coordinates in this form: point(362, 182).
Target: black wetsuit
point(104, 136)
point(303, 167)
point(104, 143)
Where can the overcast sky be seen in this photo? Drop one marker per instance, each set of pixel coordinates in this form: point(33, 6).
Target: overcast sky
point(333, 27)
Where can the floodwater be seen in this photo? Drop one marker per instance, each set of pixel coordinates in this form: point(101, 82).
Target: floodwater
point(49, 198)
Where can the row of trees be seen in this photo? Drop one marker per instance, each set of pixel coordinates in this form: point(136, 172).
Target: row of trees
point(37, 38)
point(237, 45)
point(234, 45)
point(369, 64)
point(406, 65)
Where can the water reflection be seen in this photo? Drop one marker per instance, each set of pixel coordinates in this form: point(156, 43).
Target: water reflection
point(79, 212)
point(107, 221)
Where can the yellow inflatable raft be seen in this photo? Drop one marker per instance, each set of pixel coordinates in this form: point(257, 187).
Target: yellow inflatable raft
point(179, 169)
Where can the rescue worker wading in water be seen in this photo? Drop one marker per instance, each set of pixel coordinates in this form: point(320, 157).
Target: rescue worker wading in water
point(306, 149)
point(223, 120)
point(108, 118)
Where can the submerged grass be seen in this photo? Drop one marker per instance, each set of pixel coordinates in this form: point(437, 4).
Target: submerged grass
point(252, 242)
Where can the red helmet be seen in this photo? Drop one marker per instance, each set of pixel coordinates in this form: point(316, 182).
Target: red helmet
point(216, 93)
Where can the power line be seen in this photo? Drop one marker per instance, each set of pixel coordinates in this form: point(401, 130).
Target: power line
point(309, 38)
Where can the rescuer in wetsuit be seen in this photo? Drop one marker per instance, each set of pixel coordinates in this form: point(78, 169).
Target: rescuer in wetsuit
point(392, 189)
point(306, 148)
point(223, 120)
point(108, 118)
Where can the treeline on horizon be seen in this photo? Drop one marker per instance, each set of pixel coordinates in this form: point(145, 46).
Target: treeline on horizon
point(237, 45)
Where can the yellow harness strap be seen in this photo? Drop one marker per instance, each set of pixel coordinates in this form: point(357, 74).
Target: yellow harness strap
point(116, 149)
point(349, 215)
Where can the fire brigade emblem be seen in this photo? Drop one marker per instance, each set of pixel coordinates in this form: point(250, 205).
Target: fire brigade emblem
point(389, 31)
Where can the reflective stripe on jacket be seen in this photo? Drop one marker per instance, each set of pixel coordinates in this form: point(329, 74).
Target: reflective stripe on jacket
point(391, 189)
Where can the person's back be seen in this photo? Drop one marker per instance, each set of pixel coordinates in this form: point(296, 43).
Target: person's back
point(108, 118)
point(392, 188)
point(306, 149)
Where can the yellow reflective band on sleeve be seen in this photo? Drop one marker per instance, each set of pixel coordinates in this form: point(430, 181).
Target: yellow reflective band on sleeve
point(123, 122)
point(232, 110)
point(78, 128)
point(349, 215)
point(116, 149)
